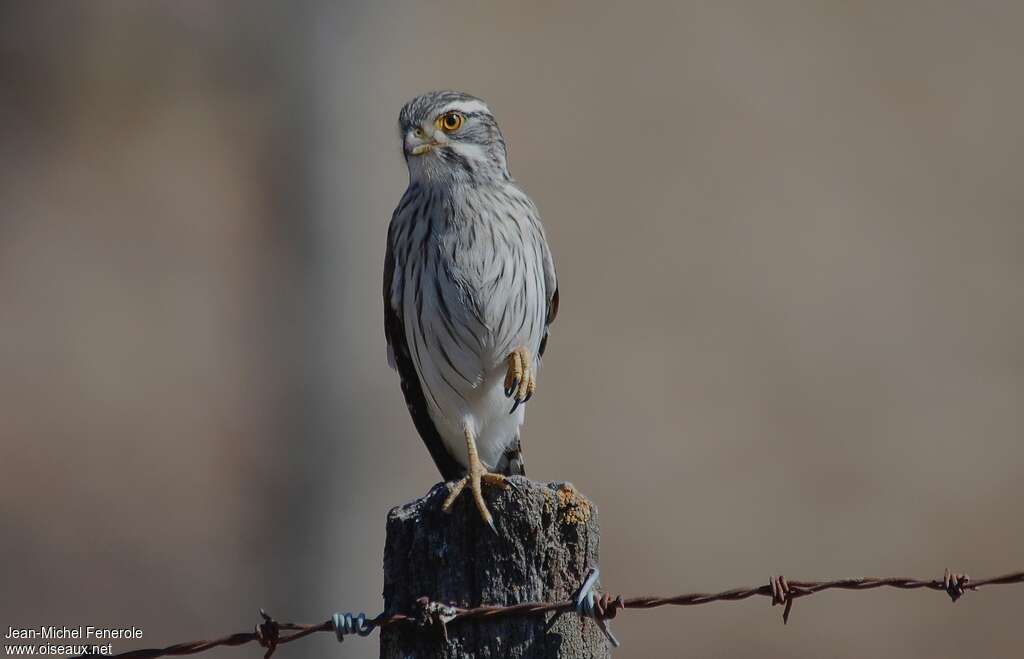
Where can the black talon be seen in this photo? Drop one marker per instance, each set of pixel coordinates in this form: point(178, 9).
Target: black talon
point(528, 397)
point(509, 390)
point(515, 406)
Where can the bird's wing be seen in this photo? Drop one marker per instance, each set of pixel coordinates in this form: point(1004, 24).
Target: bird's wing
point(512, 462)
point(551, 294)
point(401, 360)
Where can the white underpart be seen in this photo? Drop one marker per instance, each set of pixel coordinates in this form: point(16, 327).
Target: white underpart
point(481, 290)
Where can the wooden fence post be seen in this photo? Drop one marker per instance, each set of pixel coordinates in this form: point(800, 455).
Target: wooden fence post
point(547, 539)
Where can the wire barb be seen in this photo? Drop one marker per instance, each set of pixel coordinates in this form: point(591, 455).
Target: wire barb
point(268, 633)
point(587, 605)
point(782, 594)
point(435, 615)
point(955, 584)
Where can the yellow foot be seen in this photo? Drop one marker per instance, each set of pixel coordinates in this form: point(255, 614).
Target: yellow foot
point(476, 477)
point(520, 379)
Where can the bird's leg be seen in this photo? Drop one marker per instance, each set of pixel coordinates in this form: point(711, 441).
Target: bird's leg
point(520, 378)
point(475, 477)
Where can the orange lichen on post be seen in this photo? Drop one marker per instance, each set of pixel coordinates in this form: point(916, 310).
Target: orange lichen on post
point(573, 508)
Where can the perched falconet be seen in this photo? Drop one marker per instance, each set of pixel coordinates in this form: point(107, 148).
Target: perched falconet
point(469, 292)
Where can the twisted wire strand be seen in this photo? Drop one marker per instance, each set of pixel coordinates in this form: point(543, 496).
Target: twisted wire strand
point(604, 607)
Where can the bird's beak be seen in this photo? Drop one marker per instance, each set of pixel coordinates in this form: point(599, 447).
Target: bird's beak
point(417, 146)
point(420, 149)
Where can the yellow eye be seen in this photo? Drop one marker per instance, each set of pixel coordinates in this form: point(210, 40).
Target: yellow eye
point(450, 122)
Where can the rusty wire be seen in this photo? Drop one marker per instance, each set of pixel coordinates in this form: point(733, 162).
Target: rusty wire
point(433, 614)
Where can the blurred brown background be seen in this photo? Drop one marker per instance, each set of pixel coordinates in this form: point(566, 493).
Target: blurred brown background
point(789, 241)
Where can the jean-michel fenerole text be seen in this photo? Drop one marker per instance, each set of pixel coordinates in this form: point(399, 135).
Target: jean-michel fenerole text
point(87, 632)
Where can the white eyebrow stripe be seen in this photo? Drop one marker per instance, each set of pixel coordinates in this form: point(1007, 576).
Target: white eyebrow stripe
point(467, 107)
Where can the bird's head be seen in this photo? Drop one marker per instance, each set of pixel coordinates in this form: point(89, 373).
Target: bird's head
point(450, 136)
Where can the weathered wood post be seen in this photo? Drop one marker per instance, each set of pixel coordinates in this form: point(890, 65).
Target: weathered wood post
point(547, 539)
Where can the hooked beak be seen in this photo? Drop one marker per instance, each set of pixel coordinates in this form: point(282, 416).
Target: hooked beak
point(420, 149)
point(425, 140)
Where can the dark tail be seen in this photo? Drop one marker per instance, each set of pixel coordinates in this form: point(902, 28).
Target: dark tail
point(512, 463)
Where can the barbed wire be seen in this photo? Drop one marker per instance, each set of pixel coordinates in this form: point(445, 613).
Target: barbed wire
point(438, 616)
